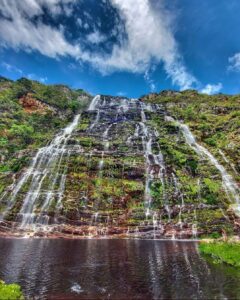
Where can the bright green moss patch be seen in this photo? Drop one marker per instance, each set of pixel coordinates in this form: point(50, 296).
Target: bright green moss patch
point(10, 291)
point(222, 252)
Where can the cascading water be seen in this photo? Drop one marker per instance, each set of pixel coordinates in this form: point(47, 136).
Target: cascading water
point(180, 195)
point(102, 128)
point(122, 108)
point(228, 162)
point(45, 179)
point(149, 136)
point(111, 175)
point(94, 103)
point(230, 186)
point(105, 137)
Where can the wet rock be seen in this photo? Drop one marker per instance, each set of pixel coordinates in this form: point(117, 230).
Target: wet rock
point(119, 175)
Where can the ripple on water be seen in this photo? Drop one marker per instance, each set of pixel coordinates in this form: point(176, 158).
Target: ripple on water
point(115, 269)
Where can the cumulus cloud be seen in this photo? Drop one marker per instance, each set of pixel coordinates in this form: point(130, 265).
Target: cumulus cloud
point(149, 41)
point(33, 8)
point(96, 37)
point(234, 62)
point(211, 89)
point(148, 37)
point(19, 32)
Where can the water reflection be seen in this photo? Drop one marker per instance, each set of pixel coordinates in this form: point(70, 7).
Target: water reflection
point(114, 269)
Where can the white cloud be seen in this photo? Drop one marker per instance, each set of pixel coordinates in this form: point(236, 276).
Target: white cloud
point(179, 74)
point(33, 8)
point(149, 37)
point(55, 7)
point(11, 68)
point(86, 26)
point(18, 32)
point(149, 41)
point(96, 37)
point(149, 81)
point(212, 89)
point(79, 22)
point(234, 62)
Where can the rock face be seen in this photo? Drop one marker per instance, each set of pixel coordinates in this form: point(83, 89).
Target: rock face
point(32, 105)
point(120, 169)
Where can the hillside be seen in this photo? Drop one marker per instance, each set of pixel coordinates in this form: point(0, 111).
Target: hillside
point(30, 115)
point(122, 167)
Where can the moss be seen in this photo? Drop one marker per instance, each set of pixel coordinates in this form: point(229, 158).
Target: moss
point(222, 252)
point(10, 291)
point(211, 190)
point(83, 126)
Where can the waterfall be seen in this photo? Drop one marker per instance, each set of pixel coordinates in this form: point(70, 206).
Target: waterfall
point(96, 120)
point(149, 136)
point(147, 147)
point(229, 185)
point(194, 225)
point(105, 138)
point(101, 163)
point(228, 162)
point(45, 167)
point(119, 175)
point(155, 224)
point(94, 102)
point(118, 109)
point(179, 194)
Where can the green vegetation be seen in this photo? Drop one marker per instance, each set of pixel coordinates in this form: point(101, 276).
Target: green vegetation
point(10, 291)
point(113, 182)
point(214, 120)
point(222, 252)
point(31, 113)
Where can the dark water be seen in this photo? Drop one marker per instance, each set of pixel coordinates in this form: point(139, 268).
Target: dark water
point(114, 269)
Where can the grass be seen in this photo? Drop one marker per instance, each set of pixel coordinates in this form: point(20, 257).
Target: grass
point(222, 252)
point(10, 291)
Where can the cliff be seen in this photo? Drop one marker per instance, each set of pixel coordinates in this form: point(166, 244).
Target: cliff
point(163, 166)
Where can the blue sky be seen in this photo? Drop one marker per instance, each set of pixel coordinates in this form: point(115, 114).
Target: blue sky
point(123, 47)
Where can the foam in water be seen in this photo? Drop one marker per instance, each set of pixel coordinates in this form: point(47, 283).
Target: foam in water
point(76, 288)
